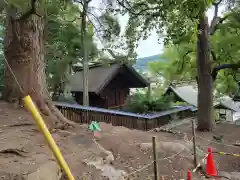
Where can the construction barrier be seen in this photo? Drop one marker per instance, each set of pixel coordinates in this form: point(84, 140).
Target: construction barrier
point(229, 154)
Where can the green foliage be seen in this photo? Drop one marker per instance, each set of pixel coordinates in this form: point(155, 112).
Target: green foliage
point(111, 27)
point(62, 98)
point(63, 43)
point(181, 58)
point(177, 22)
point(180, 103)
point(63, 35)
point(174, 20)
point(142, 103)
point(180, 63)
point(225, 43)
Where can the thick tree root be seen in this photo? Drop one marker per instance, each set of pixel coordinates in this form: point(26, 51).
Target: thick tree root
point(59, 120)
point(52, 116)
point(14, 151)
point(18, 124)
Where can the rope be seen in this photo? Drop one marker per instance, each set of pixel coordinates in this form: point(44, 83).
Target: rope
point(199, 164)
point(160, 159)
point(229, 145)
point(13, 75)
point(146, 166)
point(229, 154)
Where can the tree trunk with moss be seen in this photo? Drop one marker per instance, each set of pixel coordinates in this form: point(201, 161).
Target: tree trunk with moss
point(205, 82)
point(24, 52)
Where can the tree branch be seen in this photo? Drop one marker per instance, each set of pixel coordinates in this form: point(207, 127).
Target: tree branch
point(223, 66)
point(183, 62)
point(134, 13)
point(216, 21)
point(32, 11)
point(214, 56)
point(129, 9)
point(78, 1)
point(97, 19)
point(96, 29)
point(216, 6)
point(101, 41)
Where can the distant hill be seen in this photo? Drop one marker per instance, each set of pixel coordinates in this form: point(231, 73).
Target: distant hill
point(142, 63)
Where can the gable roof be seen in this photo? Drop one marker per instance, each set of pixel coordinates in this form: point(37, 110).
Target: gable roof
point(100, 76)
point(189, 94)
point(186, 93)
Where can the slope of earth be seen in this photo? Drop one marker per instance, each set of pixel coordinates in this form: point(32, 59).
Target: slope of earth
point(118, 154)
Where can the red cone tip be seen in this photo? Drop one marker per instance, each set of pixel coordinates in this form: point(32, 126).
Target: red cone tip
point(209, 150)
point(189, 175)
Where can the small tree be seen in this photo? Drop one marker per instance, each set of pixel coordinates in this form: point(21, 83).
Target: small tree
point(140, 102)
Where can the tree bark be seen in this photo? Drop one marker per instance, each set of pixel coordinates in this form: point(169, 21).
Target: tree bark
point(24, 52)
point(85, 54)
point(205, 82)
point(23, 49)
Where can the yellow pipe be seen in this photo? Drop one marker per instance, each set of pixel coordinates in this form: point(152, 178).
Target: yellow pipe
point(40, 122)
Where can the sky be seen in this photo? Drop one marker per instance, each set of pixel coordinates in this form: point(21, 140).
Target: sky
point(150, 46)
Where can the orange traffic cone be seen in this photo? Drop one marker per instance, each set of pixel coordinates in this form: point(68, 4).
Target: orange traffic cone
point(210, 169)
point(189, 175)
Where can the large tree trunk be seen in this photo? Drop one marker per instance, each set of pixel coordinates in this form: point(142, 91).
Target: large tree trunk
point(205, 83)
point(23, 49)
point(24, 52)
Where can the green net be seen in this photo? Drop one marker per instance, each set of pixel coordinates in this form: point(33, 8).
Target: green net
point(94, 126)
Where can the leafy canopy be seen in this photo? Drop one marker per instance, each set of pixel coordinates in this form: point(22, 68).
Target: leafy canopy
point(63, 34)
point(181, 58)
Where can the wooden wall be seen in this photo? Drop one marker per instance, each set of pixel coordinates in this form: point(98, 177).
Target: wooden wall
point(112, 96)
point(140, 123)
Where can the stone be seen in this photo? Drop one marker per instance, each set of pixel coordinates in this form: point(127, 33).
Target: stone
point(170, 147)
point(229, 175)
point(224, 175)
point(107, 155)
point(48, 171)
point(235, 175)
point(10, 176)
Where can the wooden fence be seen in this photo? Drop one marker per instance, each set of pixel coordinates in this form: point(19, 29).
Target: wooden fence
point(85, 115)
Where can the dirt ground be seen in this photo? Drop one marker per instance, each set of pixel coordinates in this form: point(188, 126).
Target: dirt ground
point(205, 140)
point(23, 149)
